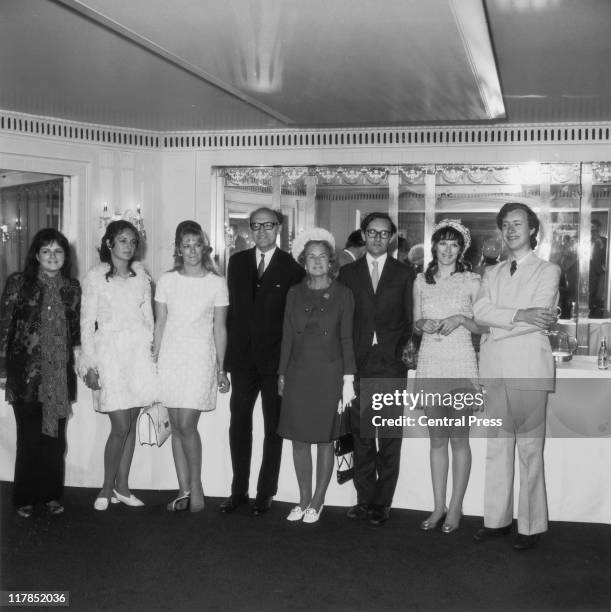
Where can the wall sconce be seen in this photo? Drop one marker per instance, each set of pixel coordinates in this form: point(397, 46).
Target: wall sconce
point(8, 234)
point(105, 217)
point(135, 218)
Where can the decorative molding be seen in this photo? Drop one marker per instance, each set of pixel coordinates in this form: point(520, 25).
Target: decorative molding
point(390, 137)
point(564, 177)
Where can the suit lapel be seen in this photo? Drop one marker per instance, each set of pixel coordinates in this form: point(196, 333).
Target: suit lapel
point(386, 274)
point(364, 276)
point(271, 272)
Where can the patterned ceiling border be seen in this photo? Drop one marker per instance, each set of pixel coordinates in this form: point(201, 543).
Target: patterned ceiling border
point(498, 134)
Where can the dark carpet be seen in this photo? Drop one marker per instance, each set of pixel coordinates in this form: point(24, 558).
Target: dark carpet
point(150, 559)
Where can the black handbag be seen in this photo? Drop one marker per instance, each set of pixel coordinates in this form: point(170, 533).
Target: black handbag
point(343, 447)
point(410, 352)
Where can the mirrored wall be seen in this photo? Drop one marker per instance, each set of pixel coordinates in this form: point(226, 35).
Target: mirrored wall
point(29, 201)
point(572, 201)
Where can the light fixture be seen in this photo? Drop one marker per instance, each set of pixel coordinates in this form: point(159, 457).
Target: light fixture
point(135, 218)
point(8, 233)
point(105, 217)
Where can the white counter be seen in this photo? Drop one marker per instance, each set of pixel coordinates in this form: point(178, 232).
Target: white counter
point(577, 466)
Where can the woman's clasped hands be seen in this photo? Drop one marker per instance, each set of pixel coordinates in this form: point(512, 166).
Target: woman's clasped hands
point(442, 327)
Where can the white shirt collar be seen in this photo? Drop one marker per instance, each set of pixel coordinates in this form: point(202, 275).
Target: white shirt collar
point(268, 255)
point(381, 261)
point(519, 261)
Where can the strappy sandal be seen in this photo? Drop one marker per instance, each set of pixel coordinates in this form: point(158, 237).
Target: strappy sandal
point(25, 511)
point(180, 504)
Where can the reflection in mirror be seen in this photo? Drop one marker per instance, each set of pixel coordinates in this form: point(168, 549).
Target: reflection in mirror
point(417, 196)
point(29, 201)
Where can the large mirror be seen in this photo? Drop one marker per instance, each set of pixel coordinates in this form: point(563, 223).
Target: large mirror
point(29, 201)
point(572, 201)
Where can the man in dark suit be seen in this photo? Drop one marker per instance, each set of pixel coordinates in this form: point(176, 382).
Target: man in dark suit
point(382, 289)
point(355, 248)
point(258, 281)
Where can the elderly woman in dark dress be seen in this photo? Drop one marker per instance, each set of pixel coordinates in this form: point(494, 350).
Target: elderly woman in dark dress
point(39, 328)
point(316, 371)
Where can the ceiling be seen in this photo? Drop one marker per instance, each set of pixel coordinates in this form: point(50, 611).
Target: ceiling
point(252, 64)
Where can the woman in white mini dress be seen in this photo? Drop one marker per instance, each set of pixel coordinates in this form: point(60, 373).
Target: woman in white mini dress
point(443, 314)
point(190, 340)
point(116, 360)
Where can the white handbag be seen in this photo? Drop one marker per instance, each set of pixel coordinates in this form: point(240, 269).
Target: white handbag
point(154, 425)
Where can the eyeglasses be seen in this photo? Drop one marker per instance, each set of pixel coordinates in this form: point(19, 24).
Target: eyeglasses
point(268, 225)
point(371, 233)
point(312, 257)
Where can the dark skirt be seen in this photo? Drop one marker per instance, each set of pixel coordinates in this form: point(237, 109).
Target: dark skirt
point(312, 390)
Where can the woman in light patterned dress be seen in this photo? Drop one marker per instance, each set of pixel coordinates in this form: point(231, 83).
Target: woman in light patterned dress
point(190, 341)
point(443, 314)
point(116, 360)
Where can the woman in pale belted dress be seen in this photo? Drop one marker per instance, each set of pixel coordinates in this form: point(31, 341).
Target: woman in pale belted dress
point(116, 360)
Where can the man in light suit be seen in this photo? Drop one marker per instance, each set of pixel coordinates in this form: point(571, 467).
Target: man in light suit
point(517, 301)
point(382, 289)
point(258, 280)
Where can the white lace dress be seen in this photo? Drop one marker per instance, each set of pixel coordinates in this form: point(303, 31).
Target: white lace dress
point(450, 356)
point(187, 356)
point(116, 338)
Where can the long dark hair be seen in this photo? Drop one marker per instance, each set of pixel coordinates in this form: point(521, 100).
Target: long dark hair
point(192, 228)
point(44, 238)
point(445, 233)
point(113, 229)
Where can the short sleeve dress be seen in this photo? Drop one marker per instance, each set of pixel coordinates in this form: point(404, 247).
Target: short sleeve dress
point(450, 356)
point(187, 356)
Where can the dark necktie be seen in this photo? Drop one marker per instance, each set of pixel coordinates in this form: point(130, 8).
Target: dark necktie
point(513, 267)
point(261, 267)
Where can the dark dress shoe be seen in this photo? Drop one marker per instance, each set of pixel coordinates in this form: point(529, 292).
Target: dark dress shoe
point(486, 533)
point(360, 512)
point(379, 515)
point(232, 503)
point(25, 511)
point(261, 505)
point(524, 542)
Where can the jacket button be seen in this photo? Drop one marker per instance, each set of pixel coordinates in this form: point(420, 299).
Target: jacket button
point(307, 309)
point(322, 310)
point(325, 332)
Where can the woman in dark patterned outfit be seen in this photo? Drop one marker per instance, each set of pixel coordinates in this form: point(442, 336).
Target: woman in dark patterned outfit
point(39, 327)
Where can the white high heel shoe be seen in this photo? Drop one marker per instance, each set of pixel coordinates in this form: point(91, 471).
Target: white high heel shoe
point(311, 516)
point(132, 500)
point(296, 514)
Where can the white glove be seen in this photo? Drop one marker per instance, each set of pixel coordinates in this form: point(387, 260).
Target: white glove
point(348, 393)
